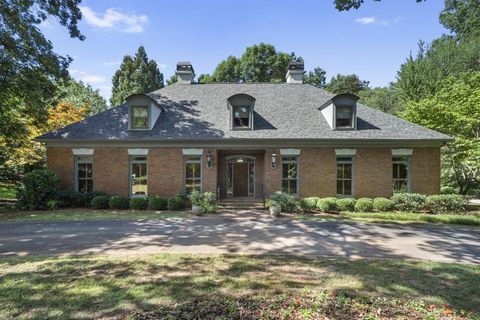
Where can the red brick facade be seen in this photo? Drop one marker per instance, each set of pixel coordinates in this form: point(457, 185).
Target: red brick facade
point(317, 170)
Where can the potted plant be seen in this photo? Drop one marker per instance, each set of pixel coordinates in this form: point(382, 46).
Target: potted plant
point(197, 203)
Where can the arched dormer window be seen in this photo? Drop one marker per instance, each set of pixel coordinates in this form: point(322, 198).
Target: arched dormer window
point(241, 108)
point(341, 111)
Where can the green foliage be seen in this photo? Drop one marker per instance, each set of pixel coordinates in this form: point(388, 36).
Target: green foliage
point(75, 199)
point(384, 99)
point(317, 77)
point(182, 194)
point(119, 202)
point(175, 203)
point(138, 203)
point(308, 204)
point(346, 204)
point(327, 204)
point(346, 84)
point(157, 203)
point(136, 75)
point(462, 18)
point(445, 203)
point(53, 204)
point(209, 203)
point(448, 190)
point(37, 188)
point(383, 204)
point(364, 205)
point(173, 79)
point(227, 71)
point(345, 5)
point(100, 202)
point(80, 95)
point(409, 202)
point(197, 198)
point(286, 201)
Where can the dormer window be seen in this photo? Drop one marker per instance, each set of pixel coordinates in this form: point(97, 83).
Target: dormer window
point(241, 108)
point(139, 117)
point(341, 111)
point(344, 117)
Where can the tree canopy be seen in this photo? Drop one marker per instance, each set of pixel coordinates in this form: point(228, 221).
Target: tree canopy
point(345, 5)
point(136, 75)
point(317, 77)
point(79, 95)
point(346, 84)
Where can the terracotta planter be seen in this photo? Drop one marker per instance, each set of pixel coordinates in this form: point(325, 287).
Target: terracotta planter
point(275, 211)
point(197, 210)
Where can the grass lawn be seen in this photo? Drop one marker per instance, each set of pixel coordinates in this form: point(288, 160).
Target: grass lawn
point(87, 214)
point(171, 286)
point(7, 190)
point(472, 219)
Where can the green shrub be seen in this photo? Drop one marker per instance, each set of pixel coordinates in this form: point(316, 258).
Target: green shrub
point(53, 204)
point(383, 204)
point(308, 204)
point(444, 203)
point(346, 204)
point(411, 202)
point(157, 203)
point(327, 204)
point(473, 192)
point(119, 202)
point(448, 190)
point(286, 201)
point(100, 202)
point(175, 203)
point(197, 198)
point(138, 203)
point(182, 194)
point(209, 203)
point(364, 205)
point(37, 188)
point(75, 199)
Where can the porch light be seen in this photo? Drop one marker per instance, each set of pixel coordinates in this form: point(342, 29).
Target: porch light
point(274, 160)
point(209, 160)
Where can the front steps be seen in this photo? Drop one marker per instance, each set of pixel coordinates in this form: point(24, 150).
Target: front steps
point(243, 203)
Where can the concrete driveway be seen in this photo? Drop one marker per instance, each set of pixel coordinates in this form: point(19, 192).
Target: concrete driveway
point(247, 235)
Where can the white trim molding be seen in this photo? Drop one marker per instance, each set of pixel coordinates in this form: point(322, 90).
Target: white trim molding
point(82, 151)
point(192, 152)
point(402, 152)
point(138, 152)
point(290, 152)
point(345, 152)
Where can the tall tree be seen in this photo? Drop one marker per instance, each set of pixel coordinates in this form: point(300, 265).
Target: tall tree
point(345, 5)
point(346, 84)
point(385, 99)
point(227, 71)
point(136, 75)
point(29, 67)
point(79, 95)
point(317, 77)
point(462, 18)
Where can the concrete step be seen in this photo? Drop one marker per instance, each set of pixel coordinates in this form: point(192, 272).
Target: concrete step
point(242, 203)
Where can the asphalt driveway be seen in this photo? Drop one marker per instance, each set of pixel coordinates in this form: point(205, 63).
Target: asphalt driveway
point(246, 235)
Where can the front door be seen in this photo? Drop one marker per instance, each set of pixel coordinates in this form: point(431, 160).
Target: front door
point(240, 179)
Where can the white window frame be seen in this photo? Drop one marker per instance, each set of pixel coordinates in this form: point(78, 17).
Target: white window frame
point(133, 161)
point(351, 161)
point(297, 179)
point(82, 159)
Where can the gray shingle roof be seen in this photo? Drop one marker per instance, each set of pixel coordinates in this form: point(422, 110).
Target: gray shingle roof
point(282, 111)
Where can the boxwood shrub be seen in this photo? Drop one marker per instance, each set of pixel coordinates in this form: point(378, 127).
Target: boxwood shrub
point(327, 204)
point(308, 204)
point(75, 199)
point(287, 202)
point(448, 190)
point(383, 204)
point(37, 189)
point(100, 202)
point(175, 203)
point(138, 203)
point(411, 202)
point(119, 202)
point(444, 203)
point(346, 204)
point(364, 205)
point(157, 203)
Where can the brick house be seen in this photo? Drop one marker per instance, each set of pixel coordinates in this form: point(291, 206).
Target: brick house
point(245, 140)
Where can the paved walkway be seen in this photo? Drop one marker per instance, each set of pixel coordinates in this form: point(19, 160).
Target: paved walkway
point(247, 235)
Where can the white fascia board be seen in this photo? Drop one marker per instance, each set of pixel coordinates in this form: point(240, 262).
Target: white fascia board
point(138, 152)
point(82, 151)
point(402, 152)
point(345, 152)
point(290, 152)
point(192, 152)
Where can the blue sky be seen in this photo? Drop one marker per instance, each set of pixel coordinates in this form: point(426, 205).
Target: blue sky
point(372, 42)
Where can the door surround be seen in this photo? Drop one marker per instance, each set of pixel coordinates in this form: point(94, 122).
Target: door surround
point(251, 179)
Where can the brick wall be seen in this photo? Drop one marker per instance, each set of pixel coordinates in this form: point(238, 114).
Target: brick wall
point(426, 170)
point(61, 162)
point(210, 175)
point(318, 172)
point(373, 172)
point(272, 177)
point(111, 171)
point(165, 171)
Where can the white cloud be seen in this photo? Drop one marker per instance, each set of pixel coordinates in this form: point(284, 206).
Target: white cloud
point(114, 19)
point(373, 20)
point(162, 65)
point(87, 77)
point(366, 20)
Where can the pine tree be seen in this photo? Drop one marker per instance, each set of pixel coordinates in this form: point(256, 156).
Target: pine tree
point(136, 75)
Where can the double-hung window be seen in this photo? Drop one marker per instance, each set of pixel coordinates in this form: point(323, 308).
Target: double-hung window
point(138, 176)
point(193, 173)
point(345, 176)
point(242, 117)
point(139, 117)
point(400, 177)
point(84, 173)
point(290, 174)
point(344, 117)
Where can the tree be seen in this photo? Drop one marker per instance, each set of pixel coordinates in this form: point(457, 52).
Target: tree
point(345, 5)
point(136, 75)
point(227, 71)
point(317, 77)
point(346, 84)
point(455, 110)
point(29, 67)
point(173, 79)
point(385, 99)
point(204, 78)
point(80, 95)
point(462, 17)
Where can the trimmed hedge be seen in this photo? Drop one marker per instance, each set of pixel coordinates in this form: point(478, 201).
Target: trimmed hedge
point(286, 201)
point(37, 189)
point(383, 204)
point(138, 203)
point(409, 202)
point(175, 203)
point(157, 203)
point(327, 204)
point(346, 204)
point(444, 203)
point(75, 199)
point(448, 190)
point(308, 204)
point(119, 202)
point(100, 202)
point(364, 205)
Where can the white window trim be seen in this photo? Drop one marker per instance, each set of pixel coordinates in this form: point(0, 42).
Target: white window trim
point(82, 151)
point(345, 152)
point(402, 152)
point(192, 152)
point(76, 163)
point(138, 152)
point(290, 152)
point(352, 162)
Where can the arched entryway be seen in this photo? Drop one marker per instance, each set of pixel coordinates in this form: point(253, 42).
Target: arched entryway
point(241, 176)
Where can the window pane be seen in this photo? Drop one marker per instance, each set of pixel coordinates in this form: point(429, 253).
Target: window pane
point(139, 117)
point(344, 123)
point(344, 112)
point(139, 178)
point(192, 170)
point(241, 117)
point(347, 171)
point(292, 171)
point(339, 186)
point(82, 171)
point(402, 171)
point(285, 186)
point(285, 170)
point(139, 186)
point(339, 171)
point(292, 186)
point(347, 187)
point(85, 185)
